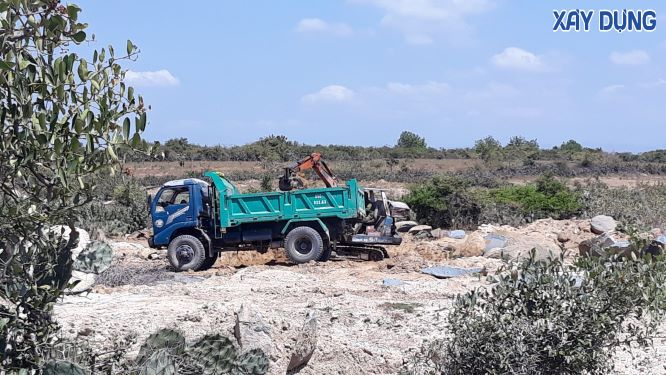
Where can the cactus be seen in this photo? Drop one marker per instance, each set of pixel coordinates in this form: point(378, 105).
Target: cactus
point(95, 258)
point(160, 362)
point(215, 354)
point(165, 339)
point(254, 362)
point(63, 368)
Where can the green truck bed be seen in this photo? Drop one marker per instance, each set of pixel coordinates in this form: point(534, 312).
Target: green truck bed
point(233, 208)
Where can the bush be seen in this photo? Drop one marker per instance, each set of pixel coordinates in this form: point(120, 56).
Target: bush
point(550, 318)
point(444, 202)
point(547, 197)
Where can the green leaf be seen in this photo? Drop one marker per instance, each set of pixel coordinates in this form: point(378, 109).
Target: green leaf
point(130, 47)
point(130, 93)
point(73, 11)
point(126, 127)
point(79, 36)
point(5, 65)
point(141, 122)
point(83, 70)
point(112, 154)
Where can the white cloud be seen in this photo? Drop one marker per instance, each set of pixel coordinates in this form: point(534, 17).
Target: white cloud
point(157, 78)
point(431, 87)
point(635, 57)
point(310, 25)
point(421, 21)
point(332, 93)
point(519, 59)
point(611, 89)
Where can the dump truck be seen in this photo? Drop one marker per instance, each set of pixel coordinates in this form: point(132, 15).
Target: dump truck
point(197, 219)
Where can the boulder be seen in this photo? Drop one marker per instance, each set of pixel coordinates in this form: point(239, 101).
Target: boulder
point(419, 228)
point(601, 224)
point(252, 332)
point(85, 282)
point(544, 249)
point(493, 241)
point(473, 246)
point(604, 245)
point(404, 226)
point(306, 343)
point(438, 233)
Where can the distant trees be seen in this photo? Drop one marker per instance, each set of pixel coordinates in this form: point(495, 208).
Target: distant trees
point(488, 148)
point(411, 140)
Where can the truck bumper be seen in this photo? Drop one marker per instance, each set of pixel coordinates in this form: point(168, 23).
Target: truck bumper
point(376, 240)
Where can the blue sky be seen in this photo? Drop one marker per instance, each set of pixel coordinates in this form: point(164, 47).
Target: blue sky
point(361, 71)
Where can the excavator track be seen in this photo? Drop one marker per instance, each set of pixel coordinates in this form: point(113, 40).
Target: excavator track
point(356, 252)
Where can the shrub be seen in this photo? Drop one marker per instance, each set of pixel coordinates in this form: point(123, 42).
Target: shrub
point(547, 197)
point(550, 318)
point(444, 202)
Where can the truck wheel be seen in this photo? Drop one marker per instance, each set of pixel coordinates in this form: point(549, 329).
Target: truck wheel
point(303, 244)
point(209, 262)
point(186, 253)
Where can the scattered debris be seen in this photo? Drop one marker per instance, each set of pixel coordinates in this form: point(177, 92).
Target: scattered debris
point(306, 343)
point(445, 272)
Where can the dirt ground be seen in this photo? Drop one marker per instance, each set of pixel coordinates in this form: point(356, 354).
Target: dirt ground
point(364, 327)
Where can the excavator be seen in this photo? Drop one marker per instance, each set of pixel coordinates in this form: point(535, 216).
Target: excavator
point(293, 177)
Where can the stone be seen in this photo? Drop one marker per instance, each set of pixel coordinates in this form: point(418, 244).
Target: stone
point(438, 233)
point(656, 232)
point(85, 282)
point(155, 256)
point(563, 237)
point(252, 332)
point(473, 246)
point(306, 343)
point(520, 250)
point(392, 282)
point(601, 224)
point(457, 234)
point(584, 226)
point(445, 272)
point(604, 245)
point(404, 226)
point(419, 228)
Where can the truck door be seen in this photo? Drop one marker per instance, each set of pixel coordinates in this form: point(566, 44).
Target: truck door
point(171, 205)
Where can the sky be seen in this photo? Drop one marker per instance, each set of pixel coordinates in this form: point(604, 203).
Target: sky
point(359, 72)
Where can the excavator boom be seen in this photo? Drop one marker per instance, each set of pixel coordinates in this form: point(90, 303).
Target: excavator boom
point(292, 179)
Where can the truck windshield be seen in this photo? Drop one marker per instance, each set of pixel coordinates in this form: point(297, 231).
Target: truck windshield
point(173, 196)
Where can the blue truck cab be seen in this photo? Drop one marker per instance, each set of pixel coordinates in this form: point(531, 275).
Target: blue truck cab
point(196, 220)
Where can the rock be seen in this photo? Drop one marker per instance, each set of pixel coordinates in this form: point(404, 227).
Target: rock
point(85, 282)
point(404, 226)
point(656, 232)
point(306, 343)
point(392, 282)
point(155, 256)
point(602, 224)
point(252, 332)
point(457, 234)
point(563, 237)
point(445, 272)
point(493, 241)
point(419, 228)
point(584, 226)
point(422, 235)
point(544, 249)
point(438, 233)
point(473, 246)
point(604, 245)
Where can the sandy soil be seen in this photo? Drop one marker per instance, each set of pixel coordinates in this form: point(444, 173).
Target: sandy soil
point(364, 326)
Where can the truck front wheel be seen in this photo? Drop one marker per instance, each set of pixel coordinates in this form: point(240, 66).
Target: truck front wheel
point(186, 253)
point(303, 244)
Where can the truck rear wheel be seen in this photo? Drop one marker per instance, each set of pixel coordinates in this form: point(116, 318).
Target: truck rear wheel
point(186, 253)
point(209, 262)
point(303, 244)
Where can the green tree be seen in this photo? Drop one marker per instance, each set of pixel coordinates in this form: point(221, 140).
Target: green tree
point(411, 140)
point(489, 149)
point(63, 117)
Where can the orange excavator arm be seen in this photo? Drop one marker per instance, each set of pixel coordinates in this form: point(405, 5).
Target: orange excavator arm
point(291, 180)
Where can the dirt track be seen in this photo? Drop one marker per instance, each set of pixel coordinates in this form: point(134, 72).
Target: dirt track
point(364, 326)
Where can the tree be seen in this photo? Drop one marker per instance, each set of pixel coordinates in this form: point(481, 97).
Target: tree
point(489, 149)
point(63, 117)
point(411, 140)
